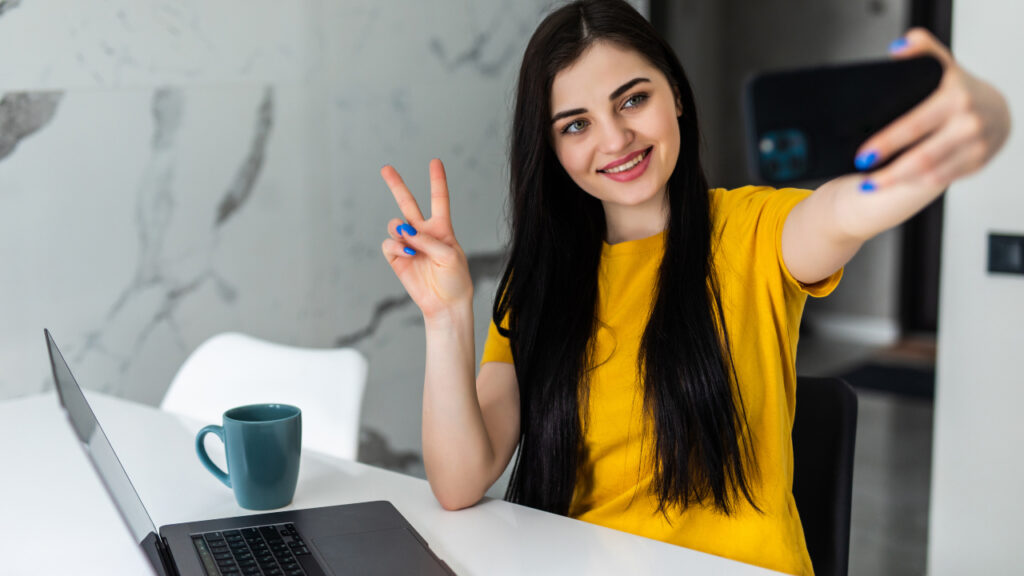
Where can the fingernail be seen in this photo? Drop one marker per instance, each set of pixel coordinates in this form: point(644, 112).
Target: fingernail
point(399, 229)
point(409, 229)
point(409, 251)
point(866, 160)
point(897, 45)
point(868, 186)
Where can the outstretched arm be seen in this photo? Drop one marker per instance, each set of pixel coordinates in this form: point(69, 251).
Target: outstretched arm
point(952, 133)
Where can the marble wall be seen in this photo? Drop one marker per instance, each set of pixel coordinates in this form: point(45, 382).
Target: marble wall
point(171, 170)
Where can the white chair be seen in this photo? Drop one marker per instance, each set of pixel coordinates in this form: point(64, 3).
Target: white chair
point(232, 369)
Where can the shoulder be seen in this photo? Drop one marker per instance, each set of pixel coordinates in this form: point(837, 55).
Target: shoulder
point(750, 204)
point(748, 197)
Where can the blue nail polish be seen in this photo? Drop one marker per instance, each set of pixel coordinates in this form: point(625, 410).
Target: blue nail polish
point(410, 229)
point(868, 186)
point(409, 251)
point(866, 160)
point(897, 45)
point(399, 229)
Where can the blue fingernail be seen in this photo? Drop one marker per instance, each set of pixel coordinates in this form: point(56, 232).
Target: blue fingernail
point(897, 45)
point(868, 186)
point(409, 251)
point(399, 229)
point(410, 230)
point(866, 160)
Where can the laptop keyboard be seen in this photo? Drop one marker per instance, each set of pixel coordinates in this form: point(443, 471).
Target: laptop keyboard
point(272, 550)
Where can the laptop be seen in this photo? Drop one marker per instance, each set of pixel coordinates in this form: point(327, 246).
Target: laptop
point(368, 538)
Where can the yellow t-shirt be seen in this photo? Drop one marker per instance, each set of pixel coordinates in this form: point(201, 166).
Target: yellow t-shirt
point(762, 304)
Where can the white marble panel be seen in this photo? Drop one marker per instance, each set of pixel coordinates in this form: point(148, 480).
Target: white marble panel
point(137, 223)
point(61, 44)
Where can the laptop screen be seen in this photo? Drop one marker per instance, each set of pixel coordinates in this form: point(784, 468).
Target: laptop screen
point(98, 448)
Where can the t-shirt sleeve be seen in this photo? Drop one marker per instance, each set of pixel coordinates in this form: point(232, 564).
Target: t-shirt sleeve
point(497, 347)
point(757, 215)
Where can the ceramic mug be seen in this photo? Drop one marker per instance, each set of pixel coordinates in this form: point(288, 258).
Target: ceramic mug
point(262, 443)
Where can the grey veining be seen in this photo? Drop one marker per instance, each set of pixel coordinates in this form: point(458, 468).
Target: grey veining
point(476, 54)
point(8, 5)
point(24, 113)
point(482, 267)
point(173, 282)
point(241, 187)
point(375, 449)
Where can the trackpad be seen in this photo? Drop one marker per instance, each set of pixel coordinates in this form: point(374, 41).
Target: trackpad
point(377, 553)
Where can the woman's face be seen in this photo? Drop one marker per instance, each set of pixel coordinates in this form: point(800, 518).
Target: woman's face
point(614, 125)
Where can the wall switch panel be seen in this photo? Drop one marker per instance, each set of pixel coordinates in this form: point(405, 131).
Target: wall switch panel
point(1006, 253)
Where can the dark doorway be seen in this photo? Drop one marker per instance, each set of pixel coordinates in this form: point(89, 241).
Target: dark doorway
point(922, 235)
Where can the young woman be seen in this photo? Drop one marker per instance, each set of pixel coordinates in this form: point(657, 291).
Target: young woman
point(642, 346)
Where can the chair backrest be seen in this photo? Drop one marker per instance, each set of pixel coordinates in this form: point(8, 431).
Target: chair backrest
point(824, 432)
point(232, 369)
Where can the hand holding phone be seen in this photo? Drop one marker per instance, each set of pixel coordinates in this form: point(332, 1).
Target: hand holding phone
point(806, 125)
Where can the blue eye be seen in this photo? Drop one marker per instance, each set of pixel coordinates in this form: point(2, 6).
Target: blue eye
point(635, 100)
point(575, 127)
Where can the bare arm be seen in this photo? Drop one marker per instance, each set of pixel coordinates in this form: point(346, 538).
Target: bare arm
point(953, 133)
point(470, 426)
point(470, 430)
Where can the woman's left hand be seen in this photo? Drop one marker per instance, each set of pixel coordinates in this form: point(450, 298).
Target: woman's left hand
point(952, 133)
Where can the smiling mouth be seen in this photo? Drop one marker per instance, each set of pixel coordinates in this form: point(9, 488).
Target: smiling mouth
point(629, 164)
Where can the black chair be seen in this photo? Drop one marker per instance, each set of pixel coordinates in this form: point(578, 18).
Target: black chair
point(824, 431)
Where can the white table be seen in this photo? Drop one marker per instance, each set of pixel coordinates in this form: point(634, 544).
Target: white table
point(52, 496)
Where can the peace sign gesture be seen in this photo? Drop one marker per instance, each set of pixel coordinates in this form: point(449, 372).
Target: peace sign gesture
point(423, 252)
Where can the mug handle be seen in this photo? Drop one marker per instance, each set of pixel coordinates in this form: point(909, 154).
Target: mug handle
point(204, 458)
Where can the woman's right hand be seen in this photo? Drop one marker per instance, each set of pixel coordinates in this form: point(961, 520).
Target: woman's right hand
point(436, 275)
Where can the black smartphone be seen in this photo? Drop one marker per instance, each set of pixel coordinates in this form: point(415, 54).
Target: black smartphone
point(806, 125)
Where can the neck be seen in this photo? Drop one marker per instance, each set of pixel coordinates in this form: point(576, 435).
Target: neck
point(625, 223)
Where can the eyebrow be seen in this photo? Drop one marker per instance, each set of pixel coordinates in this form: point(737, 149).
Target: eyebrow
point(615, 94)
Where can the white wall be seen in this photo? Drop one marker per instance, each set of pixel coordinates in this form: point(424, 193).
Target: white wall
point(977, 505)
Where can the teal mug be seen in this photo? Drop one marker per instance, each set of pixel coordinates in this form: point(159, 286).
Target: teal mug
point(262, 443)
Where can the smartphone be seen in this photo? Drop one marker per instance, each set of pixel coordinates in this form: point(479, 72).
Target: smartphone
point(807, 124)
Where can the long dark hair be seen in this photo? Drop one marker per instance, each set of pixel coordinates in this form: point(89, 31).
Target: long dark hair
point(548, 292)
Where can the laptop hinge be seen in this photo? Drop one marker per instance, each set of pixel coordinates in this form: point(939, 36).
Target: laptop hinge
point(159, 555)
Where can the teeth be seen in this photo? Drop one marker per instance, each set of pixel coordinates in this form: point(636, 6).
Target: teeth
point(628, 165)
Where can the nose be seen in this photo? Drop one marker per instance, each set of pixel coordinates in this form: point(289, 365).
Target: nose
point(616, 136)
